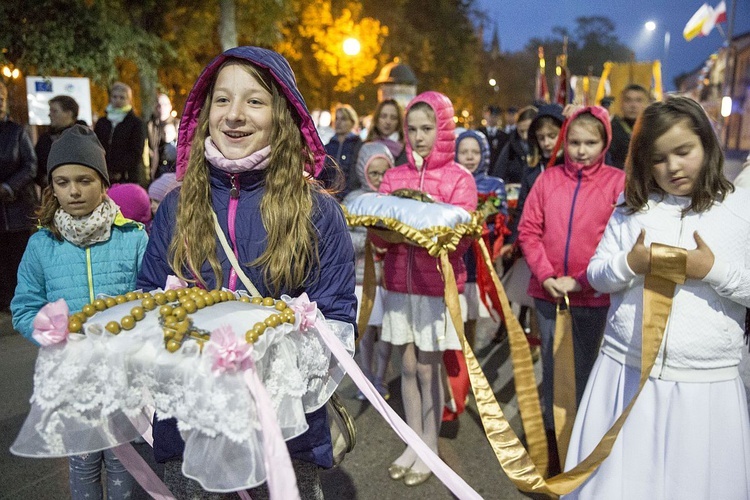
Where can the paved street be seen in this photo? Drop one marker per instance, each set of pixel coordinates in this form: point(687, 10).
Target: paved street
point(362, 476)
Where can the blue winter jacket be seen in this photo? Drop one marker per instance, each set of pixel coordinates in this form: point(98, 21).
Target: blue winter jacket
point(52, 269)
point(331, 284)
point(486, 185)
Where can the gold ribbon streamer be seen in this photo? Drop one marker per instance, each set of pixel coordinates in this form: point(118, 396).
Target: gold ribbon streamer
point(368, 290)
point(564, 379)
point(520, 468)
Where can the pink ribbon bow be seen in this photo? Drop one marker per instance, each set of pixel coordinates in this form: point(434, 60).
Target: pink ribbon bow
point(51, 323)
point(174, 283)
point(229, 352)
point(305, 312)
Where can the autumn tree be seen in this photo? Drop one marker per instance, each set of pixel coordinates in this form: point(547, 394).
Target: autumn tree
point(320, 30)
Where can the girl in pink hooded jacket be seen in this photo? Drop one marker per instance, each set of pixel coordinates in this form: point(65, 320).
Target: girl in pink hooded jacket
point(415, 318)
point(563, 220)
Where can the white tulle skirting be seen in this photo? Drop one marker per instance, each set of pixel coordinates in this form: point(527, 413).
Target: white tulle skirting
point(682, 440)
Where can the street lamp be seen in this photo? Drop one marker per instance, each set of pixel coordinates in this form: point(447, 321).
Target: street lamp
point(351, 49)
point(651, 26)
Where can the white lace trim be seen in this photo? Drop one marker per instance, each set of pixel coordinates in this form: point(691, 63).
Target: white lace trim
point(88, 390)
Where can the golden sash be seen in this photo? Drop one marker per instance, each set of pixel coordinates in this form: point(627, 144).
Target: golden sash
point(667, 270)
point(564, 379)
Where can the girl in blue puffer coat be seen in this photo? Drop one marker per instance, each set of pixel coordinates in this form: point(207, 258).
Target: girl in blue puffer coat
point(246, 153)
point(85, 247)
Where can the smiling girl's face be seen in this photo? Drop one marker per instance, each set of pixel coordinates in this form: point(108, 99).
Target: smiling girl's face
point(240, 120)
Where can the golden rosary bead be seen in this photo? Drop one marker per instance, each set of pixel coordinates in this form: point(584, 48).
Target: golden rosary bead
point(138, 313)
point(182, 299)
point(99, 304)
point(110, 302)
point(289, 316)
point(89, 310)
point(199, 302)
point(257, 300)
point(127, 322)
point(139, 295)
point(182, 327)
point(249, 338)
point(179, 312)
point(224, 295)
point(268, 301)
point(190, 306)
point(81, 317)
point(272, 321)
point(172, 345)
point(171, 295)
point(160, 298)
point(280, 305)
point(113, 327)
point(260, 327)
point(165, 310)
point(149, 303)
point(170, 320)
point(131, 296)
point(209, 300)
point(216, 295)
point(169, 333)
point(181, 292)
point(74, 325)
point(120, 299)
point(245, 299)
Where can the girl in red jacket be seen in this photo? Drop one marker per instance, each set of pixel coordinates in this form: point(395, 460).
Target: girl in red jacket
point(563, 220)
point(415, 319)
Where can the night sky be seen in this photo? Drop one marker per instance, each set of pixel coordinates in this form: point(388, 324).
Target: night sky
point(516, 25)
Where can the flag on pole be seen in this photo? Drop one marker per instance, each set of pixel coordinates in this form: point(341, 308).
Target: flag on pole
point(704, 20)
point(561, 86)
point(541, 92)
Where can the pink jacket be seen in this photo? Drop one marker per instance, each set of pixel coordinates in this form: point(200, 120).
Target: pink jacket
point(565, 216)
point(410, 269)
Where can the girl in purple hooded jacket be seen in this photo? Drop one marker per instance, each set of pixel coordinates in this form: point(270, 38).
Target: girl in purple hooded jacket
point(247, 150)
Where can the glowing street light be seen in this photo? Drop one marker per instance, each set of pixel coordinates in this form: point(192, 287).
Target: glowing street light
point(492, 82)
point(650, 26)
point(351, 47)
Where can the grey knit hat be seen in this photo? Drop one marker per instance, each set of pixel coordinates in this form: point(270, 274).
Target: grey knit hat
point(78, 145)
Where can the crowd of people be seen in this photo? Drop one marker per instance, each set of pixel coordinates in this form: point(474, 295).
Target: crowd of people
point(572, 201)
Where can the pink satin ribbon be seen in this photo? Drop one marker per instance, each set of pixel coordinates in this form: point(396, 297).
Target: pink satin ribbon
point(280, 478)
point(447, 476)
point(142, 472)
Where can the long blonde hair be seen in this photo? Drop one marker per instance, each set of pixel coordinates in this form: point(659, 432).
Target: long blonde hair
point(286, 207)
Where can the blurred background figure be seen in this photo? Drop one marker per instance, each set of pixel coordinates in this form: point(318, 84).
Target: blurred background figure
point(123, 136)
point(18, 197)
point(513, 158)
point(158, 189)
point(633, 100)
point(510, 119)
point(388, 128)
point(134, 202)
point(63, 114)
point(162, 137)
point(344, 147)
point(493, 130)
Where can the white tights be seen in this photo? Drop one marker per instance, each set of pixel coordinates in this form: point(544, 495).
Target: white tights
point(422, 394)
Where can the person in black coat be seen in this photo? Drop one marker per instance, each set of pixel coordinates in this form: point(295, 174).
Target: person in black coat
point(493, 130)
point(18, 198)
point(633, 100)
point(123, 136)
point(513, 158)
point(63, 114)
point(344, 148)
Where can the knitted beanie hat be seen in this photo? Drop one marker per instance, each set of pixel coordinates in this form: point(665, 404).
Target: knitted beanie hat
point(78, 145)
point(133, 201)
point(163, 185)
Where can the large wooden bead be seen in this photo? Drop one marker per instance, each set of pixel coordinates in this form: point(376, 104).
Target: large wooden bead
point(111, 302)
point(74, 325)
point(89, 310)
point(131, 296)
point(138, 313)
point(113, 327)
point(127, 322)
point(172, 345)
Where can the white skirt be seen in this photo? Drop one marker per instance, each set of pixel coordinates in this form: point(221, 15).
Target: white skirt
point(376, 316)
point(516, 283)
point(418, 319)
point(472, 307)
point(682, 440)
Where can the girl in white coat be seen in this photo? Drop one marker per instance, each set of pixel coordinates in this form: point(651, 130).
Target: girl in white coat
point(688, 435)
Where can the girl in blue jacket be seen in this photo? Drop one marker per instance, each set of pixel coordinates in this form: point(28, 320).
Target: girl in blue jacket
point(246, 152)
point(84, 247)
